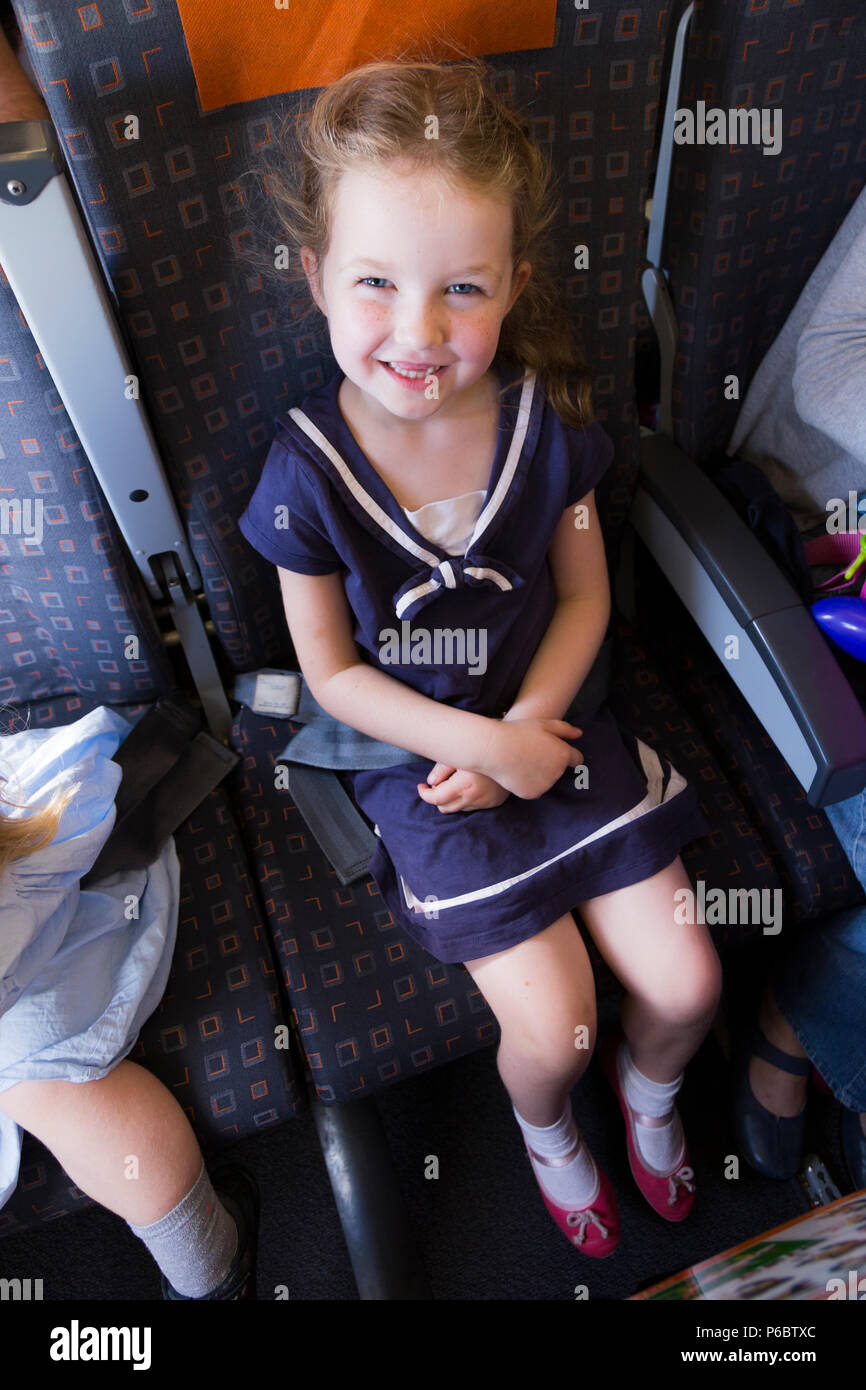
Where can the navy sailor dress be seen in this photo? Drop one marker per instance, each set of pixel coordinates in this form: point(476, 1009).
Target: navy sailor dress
point(471, 883)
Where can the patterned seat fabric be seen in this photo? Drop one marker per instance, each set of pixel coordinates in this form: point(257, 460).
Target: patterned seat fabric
point(212, 1040)
point(745, 231)
point(814, 872)
point(218, 357)
point(371, 1006)
point(217, 354)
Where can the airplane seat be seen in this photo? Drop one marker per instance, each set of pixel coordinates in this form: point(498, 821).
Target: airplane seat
point(71, 600)
point(158, 135)
point(746, 225)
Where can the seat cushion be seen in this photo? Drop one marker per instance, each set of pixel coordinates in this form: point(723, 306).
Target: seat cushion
point(735, 854)
point(372, 1006)
point(811, 865)
point(212, 1039)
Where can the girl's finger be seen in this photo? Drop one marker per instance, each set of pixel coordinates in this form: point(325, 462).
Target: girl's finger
point(435, 796)
point(438, 773)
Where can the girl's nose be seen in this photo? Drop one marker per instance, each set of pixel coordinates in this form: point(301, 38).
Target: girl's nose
point(419, 326)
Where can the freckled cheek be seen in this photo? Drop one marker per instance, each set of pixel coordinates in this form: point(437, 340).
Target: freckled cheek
point(366, 323)
point(472, 336)
point(481, 335)
point(481, 342)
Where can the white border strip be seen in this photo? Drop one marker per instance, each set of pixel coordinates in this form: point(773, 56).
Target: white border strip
point(511, 462)
point(371, 507)
point(418, 592)
point(653, 770)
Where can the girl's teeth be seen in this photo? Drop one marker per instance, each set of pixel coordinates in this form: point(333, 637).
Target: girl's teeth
point(414, 376)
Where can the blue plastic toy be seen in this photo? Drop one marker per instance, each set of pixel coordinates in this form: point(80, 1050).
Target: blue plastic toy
point(844, 621)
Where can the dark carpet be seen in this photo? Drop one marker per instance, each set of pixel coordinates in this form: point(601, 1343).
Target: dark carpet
point(480, 1226)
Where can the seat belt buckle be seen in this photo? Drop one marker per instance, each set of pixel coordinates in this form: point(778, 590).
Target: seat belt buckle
point(269, 691)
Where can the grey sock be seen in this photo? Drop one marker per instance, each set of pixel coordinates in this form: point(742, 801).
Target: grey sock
point(195, 1243)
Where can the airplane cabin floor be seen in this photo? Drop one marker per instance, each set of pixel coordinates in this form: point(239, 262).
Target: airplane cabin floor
point(481, 1227)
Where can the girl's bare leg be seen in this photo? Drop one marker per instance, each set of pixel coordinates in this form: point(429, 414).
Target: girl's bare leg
point(670, 971)
point(123, 1140)
point(541, 991)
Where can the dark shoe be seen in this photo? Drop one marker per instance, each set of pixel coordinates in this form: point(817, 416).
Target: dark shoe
point(854, 1148)
point(238, 1191)
point(772, 1144)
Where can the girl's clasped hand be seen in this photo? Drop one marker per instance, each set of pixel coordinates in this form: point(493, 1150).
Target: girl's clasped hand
point(525, 756)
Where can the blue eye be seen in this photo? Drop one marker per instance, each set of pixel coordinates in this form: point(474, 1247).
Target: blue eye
point(370, 279)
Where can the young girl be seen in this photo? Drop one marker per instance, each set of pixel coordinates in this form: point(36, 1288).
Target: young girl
point(80, 972)
point(431, 513)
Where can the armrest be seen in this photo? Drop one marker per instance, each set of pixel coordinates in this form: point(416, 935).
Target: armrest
point(781, 662)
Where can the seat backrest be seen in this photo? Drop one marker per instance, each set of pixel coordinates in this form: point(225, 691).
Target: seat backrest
point(746, 228)
point(70, 599)
point(218, 356)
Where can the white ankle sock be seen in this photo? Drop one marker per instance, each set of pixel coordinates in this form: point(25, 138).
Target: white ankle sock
point(662, 1148)
point(573, 1183)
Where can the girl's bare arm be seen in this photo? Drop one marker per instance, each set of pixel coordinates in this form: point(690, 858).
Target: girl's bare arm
point(576, 631)
point(524, 757)
point(357, 693)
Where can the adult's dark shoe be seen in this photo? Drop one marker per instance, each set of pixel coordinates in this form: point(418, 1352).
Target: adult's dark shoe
point(772, 1144)
point(854, 1148)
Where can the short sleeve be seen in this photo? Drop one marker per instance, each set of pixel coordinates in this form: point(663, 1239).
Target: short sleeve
point(283, 518)
point(590, 452)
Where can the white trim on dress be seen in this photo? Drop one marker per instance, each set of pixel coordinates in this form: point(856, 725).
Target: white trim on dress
point(381, 517)
point(653, 770)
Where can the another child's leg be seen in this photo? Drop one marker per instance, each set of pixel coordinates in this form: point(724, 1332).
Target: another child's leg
point(673, 978)
point(126, 1142)
point(542, 992)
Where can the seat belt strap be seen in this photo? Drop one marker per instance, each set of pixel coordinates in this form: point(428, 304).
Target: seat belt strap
point(331, 815)
point(50, 259)
point(313, 757)
point(323, 741)
point(326, 745)
point(654, 278)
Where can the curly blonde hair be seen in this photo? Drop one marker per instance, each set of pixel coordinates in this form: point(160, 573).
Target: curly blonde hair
point(378, 114)
point(24, 835)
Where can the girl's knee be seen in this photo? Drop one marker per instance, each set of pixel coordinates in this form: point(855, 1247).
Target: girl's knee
point(711, 983)
point(697, 995)
point(559, 1045)
point(543, 994)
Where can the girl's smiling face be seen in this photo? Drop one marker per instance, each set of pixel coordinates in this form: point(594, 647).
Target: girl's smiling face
point(418, 276)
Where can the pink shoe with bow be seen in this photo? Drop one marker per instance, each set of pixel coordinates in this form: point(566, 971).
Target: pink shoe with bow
point(594, 1229)
point(671, 1194)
